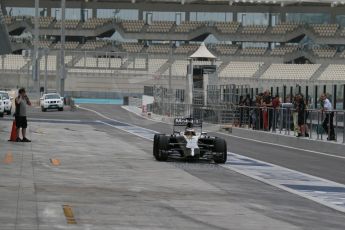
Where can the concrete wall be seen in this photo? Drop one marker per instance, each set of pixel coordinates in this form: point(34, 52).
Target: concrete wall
point(91, 85)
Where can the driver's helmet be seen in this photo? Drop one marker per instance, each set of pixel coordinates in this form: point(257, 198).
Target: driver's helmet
point(189, 132)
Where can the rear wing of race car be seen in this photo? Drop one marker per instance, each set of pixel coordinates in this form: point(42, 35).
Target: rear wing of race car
point(187, 123)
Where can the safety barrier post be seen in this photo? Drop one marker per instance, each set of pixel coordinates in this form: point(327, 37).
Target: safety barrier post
point(343, 127)
point(310, 124)
point(336, 125)
point(289, 120)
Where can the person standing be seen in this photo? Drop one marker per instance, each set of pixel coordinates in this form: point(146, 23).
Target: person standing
point(327, 123)
point(20, 115)
point(301, 115)
point(276, 106)
point(267, 111)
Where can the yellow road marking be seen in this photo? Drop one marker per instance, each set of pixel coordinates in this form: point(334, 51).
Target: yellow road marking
point(55, 162)
point(68, 211)
point(8, 158)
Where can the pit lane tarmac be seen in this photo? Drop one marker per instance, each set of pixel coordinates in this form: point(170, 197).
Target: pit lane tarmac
point(109, 179)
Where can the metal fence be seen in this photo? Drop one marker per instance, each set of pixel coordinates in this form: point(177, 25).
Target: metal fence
point(312, 124)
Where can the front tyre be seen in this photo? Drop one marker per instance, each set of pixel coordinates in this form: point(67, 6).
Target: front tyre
point(156, 146)
point(220, 149)
point(163, 147)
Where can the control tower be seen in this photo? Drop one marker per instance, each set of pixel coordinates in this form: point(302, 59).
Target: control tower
point(202, 71)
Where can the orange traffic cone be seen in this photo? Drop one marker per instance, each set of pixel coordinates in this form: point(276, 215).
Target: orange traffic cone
point(13, 136)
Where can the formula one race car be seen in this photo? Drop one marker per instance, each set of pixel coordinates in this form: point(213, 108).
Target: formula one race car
point(188, 143)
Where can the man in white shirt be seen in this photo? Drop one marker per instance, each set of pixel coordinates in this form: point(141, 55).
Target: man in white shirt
point(327, 108)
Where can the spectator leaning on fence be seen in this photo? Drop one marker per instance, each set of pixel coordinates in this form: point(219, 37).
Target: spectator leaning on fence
point(327, 123)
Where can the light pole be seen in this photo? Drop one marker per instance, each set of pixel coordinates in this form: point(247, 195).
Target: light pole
point(35, 69)
point(62, 49)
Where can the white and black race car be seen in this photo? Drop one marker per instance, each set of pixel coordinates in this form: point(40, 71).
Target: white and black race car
point(188, 143)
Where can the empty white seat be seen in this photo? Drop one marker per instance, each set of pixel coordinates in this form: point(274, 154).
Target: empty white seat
point(240, 69)
point(290, 71)
point(333, 72)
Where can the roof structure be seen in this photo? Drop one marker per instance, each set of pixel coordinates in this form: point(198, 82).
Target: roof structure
point(202, 52)
point(230, 2)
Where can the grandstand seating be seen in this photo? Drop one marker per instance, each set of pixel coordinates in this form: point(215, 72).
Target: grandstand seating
point(342, 54)
point(225, 49)
point(93, 45)
point(253, 51)
point(186, 48)
point(44, 22)
point(325, 30)
point(93, 23)
point(105, 63)
point(160, 49)
point(132, 47)
point(87, 62)
point(240, 69)
point(13, 62)
point(45, 44)
point(283, 28)
point(116, 62)
point(178, 68)
point(282, 50)
point(139, 63)
point(132, 25)
point(255, 29)
point(342, 32)
point(69, 24)
point(227, 27)
point(68, 45)
point(333, 72)
point(186, 27)
point(8, 19)
point(160, 27)
point(324, 52)
point(290, 71)
point(155, 64)
point(52, 62)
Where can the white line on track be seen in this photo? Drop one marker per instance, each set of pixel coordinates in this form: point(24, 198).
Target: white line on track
point(127, 131)
point(108, 118)
point(285, 146)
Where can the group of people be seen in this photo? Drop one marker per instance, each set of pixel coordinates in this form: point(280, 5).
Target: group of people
point(263, 113)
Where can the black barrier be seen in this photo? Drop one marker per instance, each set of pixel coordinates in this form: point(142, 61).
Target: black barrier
point(344, 96)
point(316, 96)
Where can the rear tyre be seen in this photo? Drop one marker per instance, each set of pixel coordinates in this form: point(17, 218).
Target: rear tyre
point(221, 149)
